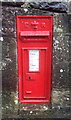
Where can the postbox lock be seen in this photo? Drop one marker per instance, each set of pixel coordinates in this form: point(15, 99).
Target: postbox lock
point(29, 78)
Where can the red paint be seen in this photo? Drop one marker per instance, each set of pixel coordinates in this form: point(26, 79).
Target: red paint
point(34, 33)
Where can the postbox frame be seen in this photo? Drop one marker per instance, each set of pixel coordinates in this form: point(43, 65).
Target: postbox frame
point(20, 87)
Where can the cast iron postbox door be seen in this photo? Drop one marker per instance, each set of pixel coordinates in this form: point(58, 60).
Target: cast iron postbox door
point(34, 34)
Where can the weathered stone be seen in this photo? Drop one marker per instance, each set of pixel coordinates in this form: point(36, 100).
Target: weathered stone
point(60, 96)
point(52, 6)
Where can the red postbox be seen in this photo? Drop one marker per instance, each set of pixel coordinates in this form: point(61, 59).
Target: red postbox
point(34, 34)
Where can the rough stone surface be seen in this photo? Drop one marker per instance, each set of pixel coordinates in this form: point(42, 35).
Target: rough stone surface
point(33, 0)
point(52, 6)
point(60, 106)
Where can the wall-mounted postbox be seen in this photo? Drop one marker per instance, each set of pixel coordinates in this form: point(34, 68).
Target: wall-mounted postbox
point(34, 34)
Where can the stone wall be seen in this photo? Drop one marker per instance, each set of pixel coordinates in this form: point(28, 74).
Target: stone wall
point(60, 106)
point(33, 0)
